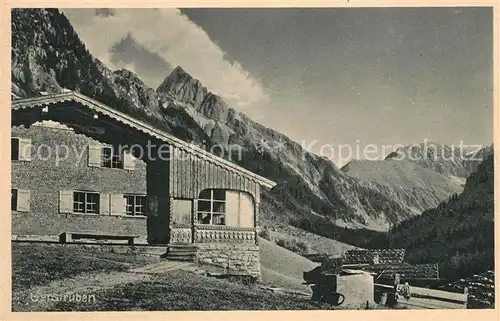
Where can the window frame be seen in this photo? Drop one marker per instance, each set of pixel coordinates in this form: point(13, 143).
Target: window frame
point(85, 202)
point(212, 200)
point(115, 159)
point(135, 204)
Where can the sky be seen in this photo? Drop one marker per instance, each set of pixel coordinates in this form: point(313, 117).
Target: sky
point(324, 77)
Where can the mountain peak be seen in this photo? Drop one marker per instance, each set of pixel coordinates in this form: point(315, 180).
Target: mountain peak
point(181, 86)
point(179, 71)
point(178, 75)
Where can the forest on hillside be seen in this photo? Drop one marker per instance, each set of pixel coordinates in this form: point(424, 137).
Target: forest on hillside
point(458, 234)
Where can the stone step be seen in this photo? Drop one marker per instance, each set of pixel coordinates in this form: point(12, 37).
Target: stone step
point(182, 250)
point(180, 257)
point(180, 254)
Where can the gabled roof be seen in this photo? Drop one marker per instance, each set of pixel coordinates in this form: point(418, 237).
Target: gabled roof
point(128, 120)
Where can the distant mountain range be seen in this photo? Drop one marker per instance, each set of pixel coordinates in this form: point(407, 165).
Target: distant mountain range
point(419, 176)
point(458, 233)
point(446, 160)
point(47, 55)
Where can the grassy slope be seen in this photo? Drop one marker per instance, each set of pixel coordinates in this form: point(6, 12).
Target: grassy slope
point(318, 243)
point(283, 268)
point(181, 290)
point(39, 264)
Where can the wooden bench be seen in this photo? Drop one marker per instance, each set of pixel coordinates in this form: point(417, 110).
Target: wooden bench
point(71, 237)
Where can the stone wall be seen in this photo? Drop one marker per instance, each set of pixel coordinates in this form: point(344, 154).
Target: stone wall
point(238, 259)
point(44, 177)
point(146, 250)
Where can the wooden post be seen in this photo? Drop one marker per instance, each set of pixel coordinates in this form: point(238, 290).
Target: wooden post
point(392, 299)
point(329, 287)
point(397, 279)
point(256, 222)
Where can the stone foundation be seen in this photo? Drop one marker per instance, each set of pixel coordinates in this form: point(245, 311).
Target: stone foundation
point(236, 259)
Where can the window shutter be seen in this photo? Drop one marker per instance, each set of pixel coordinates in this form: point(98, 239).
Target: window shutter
point(247, 212)
point(65, 201)
point(182, 210)
point(23, 200)
point(105, 204)
point(118, 204)
point(128, 161)
point(94, 155)
point(232, 208)
point(24, 149)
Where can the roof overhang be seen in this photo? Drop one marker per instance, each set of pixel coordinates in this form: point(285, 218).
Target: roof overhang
point(71, 96)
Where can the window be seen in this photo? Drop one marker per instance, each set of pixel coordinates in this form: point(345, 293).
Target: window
point(135, 204)
point(85, 202)
point(13, 199)
point(212, 207)
point(111, 158)
point(226, 207)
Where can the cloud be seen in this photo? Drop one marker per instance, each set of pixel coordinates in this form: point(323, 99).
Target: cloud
point(172, 36)
point(150, 66)
point(104, 12)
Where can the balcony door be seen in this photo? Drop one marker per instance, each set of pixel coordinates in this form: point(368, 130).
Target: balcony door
point(181, 230)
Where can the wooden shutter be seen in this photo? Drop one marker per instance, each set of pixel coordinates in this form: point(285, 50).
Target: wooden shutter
point(182, 212)
point(105, 204)
point(23, 200)
point(232, 208)
point(128, 161)
point(24, 149)
point(118, 204)
point(94, 159)
point(247, 211)
point(65, 201)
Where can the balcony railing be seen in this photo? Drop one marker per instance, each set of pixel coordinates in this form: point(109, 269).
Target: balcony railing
point(181, 234)
point(223, 234)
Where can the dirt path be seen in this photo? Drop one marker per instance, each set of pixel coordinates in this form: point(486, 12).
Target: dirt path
point(85, 286)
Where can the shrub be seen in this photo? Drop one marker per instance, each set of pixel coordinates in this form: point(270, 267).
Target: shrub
point(294, 245)
point(265, 234)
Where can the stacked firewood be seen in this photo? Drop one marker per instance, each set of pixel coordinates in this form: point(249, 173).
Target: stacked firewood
point(377, 256)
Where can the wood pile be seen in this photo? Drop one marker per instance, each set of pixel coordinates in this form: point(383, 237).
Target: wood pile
point(407, 271)
point(377, 256)
point(481, 289)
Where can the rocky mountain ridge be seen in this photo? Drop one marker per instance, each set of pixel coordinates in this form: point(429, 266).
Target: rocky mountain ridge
point(418, 187)
point(444, 159)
